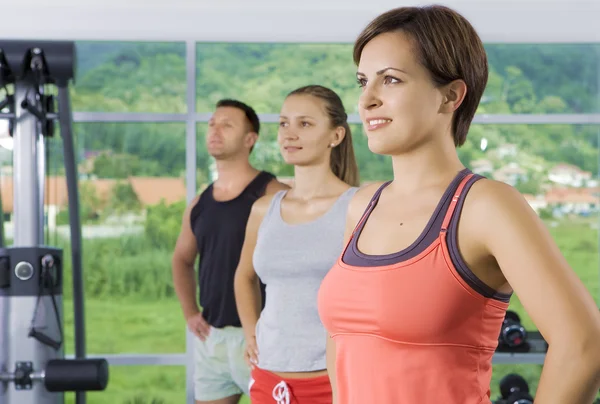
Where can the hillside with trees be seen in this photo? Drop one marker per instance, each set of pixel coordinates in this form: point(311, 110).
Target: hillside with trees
point(150, 77)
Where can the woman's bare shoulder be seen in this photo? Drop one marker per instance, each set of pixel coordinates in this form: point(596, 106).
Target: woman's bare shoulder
point(361, 199)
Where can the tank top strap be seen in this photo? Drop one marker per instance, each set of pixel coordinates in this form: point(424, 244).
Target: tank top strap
point(258, 185)
point(347, 196)
point(374, 199)
point(275, 205)
point(454, 202)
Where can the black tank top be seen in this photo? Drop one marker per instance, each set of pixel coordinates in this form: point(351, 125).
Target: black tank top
point(219, 228)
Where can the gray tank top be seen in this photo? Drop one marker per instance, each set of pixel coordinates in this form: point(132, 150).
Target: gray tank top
point(292, 260)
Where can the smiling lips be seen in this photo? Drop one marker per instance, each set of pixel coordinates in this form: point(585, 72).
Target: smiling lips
point(377, 123)
point(292, 149)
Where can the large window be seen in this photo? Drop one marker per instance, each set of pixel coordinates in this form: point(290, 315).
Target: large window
point(134, 179)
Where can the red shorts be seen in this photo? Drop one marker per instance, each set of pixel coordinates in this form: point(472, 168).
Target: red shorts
point(268, 388)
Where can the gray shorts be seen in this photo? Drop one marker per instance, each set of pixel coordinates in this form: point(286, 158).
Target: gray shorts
point(219, 367)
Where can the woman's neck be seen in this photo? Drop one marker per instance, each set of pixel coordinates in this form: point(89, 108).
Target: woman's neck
point(425, 166)
point(314, 181)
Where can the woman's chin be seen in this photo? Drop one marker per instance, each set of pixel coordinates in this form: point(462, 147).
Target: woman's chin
point(378, 147)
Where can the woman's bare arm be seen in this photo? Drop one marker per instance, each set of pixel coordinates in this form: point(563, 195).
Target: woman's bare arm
point(554, 297)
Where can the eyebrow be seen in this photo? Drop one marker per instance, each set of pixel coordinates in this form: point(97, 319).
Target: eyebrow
point(299, 117)
point(222, 120)
point(380, 72)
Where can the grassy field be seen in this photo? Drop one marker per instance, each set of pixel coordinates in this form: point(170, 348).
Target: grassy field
point(137, 325)
point(140, 385)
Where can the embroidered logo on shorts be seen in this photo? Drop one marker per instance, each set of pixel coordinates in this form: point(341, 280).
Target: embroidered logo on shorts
point(281, 393)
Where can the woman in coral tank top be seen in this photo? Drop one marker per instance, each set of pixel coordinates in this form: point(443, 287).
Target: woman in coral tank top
point(414, 305)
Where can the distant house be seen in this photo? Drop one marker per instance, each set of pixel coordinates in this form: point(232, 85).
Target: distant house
point(506, 150)
point(511, 174)
point(537, 202)
point(55, 197)
point(579, 201)
point(482, 167)
point(149, 191)
point(570, 175)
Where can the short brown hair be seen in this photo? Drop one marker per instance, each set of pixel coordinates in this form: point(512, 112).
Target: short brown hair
point(447, 45)
point(253, 121)
point(342, 161)
point(251, 117)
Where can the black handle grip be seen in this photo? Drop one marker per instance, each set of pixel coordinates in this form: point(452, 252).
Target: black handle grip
point(76, 375)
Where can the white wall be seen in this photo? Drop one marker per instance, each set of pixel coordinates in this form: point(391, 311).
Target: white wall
point(533, 21)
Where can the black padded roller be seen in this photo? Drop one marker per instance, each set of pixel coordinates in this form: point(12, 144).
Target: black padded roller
point(512, 383)
point(519, 397)
point(76, 375)
point(511, 315)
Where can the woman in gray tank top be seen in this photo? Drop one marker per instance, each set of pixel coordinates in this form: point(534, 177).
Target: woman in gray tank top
point(292, 240)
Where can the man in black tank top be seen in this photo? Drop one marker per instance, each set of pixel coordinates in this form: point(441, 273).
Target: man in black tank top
point(213, 228)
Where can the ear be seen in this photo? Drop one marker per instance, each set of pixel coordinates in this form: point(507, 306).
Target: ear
point(453, 95)
point(251, 139)
point(338, 136)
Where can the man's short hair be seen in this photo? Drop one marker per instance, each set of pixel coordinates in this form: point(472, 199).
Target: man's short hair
point(248, 111)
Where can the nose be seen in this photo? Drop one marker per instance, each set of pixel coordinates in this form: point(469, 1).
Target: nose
point(287, 133)
point(369, 99)
point(213, 130)
point(290, 135)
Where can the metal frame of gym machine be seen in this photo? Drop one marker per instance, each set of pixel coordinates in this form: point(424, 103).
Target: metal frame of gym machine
point(32, 365)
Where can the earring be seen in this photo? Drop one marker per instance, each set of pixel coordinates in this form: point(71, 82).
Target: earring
point(332, 145)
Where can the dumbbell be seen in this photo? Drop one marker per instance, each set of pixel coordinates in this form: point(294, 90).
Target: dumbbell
point(515, 390)
point(512, 334)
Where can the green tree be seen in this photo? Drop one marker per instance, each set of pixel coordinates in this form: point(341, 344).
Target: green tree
point(90, 205)
point(529, 186)
point(163, 223)
point(123, 199)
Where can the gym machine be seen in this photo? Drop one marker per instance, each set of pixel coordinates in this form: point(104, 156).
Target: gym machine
point(33, 368)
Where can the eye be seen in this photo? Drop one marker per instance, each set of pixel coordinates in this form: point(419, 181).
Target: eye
point(282, 124)
point(361, 82)
point(305, 124)
point(390, 80)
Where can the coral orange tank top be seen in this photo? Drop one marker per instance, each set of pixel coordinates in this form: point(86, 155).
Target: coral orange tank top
point(416, 326)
